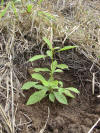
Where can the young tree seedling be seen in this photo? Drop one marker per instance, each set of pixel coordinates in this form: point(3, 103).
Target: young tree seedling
point(51, 88)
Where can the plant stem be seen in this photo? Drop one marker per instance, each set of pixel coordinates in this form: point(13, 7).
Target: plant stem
point(52, 50)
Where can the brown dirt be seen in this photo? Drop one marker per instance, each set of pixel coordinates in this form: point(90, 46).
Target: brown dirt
point(78, 117)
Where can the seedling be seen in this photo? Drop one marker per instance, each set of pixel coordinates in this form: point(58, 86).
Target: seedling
point(49, 87)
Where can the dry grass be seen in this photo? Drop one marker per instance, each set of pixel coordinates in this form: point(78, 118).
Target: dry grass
point(20, 32)
point(79, 22)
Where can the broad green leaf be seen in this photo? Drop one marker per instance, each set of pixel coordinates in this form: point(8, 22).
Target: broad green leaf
point(53, 83)
point(61, 90)
point(62, 66)
point(29, 8)
point(58, 70)
point(4, 11)
point(52, 97)
point(67, 48)
point(60, 83)
point(41, 69)
point(49, 53)
point(39, 77)
point(48, 42)
point(53, 66)
point(28, 85)
point(60, 97)
point(37, 57)
point(36, 97)
point(40, 87)
point(68, 93)
point(73, 89)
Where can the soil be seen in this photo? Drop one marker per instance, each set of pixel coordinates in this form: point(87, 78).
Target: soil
point(77, 117)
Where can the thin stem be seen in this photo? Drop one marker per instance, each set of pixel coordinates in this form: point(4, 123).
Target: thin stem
point(52, 62)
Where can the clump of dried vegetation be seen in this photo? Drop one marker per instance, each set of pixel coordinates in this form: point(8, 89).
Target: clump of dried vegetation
point(24, 24)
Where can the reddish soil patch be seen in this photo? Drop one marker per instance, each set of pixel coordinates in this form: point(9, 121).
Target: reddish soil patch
point(78, 117)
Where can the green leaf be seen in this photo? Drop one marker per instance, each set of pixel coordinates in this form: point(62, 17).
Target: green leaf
point(46, 15)
point(53, 66)
point(58, 70)
point(62, 66)
point(2, 2)
point(40, 1)
point(41, 69)
point(60, 97)
point(52, 97)
point(60, 83)
point(53, 83)
point(5, 10)
point(68, 93)
point(40, 87)
point(39, 77)
point(61, 90)
point(36, 97)
point(28, 85)
point(29, 8)
point(73, 89)
point(48, 42)
point(49, 53)
point(17, 1)
point(56, 48)
point(14, 9)
point(67, 48)
point(37, 57)
point(49, 16)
